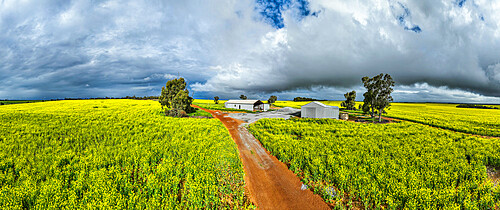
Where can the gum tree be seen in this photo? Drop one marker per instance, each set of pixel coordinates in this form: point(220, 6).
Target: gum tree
point(350, 100)
point(176, 98)
point(378, 95)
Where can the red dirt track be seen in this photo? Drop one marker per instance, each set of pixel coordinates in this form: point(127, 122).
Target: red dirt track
point(268, 181)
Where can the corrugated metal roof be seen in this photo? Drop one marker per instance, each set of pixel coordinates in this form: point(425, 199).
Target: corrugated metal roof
point(319, 104)
point(242, 101)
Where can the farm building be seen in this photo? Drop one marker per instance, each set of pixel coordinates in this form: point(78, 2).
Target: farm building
point(250, 105)
point(318, 110)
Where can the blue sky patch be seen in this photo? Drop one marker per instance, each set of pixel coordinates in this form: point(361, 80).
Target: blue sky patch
point(272, 11)
point(461, 3)
point(404, 18)
point(415, 29)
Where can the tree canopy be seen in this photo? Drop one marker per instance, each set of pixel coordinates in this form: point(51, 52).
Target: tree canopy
point(350, 101)
point(216, 99)
point(378, 95)
point(176, 97)
point(243, 97)
point(272, 99)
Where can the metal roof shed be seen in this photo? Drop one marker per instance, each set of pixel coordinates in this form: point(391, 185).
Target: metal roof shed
point(318, 110)
point(250, 105)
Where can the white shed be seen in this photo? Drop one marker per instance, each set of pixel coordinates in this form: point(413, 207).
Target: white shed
point(318, 110)
point(250, 105)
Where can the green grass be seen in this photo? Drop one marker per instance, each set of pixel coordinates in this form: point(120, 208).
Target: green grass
point(200, 113)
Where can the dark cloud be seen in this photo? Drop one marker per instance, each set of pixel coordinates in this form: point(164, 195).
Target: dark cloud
point(452, 48)
point(94, 49)
point(318, 48)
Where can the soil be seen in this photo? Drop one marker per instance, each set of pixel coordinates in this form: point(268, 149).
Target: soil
point(363, 120)
point(268, 181)
point(493, 174)
point(200, 117)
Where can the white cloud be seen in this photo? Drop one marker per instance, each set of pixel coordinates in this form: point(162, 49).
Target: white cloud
point(223, 47)
point(349, 40)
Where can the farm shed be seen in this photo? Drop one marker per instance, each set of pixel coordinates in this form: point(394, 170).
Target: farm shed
point(250, 105)
point(318, 110)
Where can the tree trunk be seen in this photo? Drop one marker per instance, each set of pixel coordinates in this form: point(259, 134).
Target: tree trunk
point(380, 115)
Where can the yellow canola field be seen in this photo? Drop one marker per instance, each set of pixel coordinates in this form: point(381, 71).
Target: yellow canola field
point(115, 154)
point(468, 120)
point(397, 165)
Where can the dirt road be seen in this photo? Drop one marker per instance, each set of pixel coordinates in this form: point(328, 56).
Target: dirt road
point(269, 182)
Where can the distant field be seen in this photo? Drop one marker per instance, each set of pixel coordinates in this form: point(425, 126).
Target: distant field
point(115, 154)
point(469, 120)
point(475, 121)
point(398, 166)
point(210, 103)
point(19, 102)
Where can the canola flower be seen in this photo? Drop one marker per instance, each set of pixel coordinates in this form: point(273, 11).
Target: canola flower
point(398, 166)
point(484, 122)
point(468, 120)
point(115, 154)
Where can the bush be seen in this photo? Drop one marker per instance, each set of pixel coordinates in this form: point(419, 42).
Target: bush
point(175, 96)
point(175, 113)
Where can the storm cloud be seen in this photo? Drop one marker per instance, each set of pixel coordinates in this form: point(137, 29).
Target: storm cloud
point(435, 50)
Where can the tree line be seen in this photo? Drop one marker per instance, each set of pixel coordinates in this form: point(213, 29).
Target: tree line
point(93, 98)
point(476, 106)
point(305, 99)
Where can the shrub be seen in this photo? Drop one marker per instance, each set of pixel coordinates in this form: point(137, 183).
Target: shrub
point(175, 113)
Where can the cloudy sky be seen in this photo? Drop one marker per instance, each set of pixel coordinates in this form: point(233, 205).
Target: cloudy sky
point(436, 50)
